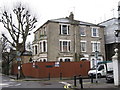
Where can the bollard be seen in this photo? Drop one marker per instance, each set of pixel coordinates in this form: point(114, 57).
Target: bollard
point(75, 81)
point(17, 76)
point(49, 76)
point(60, 76)
point(81, 81)
point(91, 78)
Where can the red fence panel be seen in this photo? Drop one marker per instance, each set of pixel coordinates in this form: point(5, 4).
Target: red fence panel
point(43, 69)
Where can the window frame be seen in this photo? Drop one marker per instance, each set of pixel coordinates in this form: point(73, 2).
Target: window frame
point(65, 59)
point(96, 32)
point(85, 47)
point(65, 46)
point(94, 46)
point(118, 8)
point(62, 32)
point(43, 47)
point(43, 60)
point(61, 46)
point(35, 36)
point(36, 49)
point(83, 28)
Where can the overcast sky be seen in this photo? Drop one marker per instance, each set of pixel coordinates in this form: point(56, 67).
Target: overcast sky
point(93, 11)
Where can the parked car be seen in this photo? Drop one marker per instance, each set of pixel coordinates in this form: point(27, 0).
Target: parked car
point(109, 77)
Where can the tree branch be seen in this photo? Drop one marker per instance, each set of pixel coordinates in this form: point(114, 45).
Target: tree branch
point(25, 24)
point(8, 40)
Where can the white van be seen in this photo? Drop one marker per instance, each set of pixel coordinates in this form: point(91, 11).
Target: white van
point(102, 69)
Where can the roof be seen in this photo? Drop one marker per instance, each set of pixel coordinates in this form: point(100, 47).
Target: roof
point(27, 53)
point(67, 20)
point(107, 20)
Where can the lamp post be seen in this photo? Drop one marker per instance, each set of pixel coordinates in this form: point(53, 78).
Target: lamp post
point(19, 63)
point(117, 34)
point(96, 56)
point(116, 61)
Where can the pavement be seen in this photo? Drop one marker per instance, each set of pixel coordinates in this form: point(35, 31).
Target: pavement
point(86, 82)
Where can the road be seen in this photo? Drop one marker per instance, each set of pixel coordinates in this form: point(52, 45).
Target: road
point(7, 82)
point(11, 83)
point(53, 83)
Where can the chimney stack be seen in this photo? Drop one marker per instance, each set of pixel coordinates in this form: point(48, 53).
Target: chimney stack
point(71, 16)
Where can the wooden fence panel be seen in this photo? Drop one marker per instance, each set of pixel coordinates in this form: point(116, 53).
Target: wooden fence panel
point(43, 69)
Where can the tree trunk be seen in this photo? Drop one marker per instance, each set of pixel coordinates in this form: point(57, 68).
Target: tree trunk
point(7, 65)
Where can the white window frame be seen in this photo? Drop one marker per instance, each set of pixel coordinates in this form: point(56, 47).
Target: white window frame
point(93, 60)
point(45, 33)
point(42, 47)
point(82, 41)
point(63, 59)
point(34, 49)
point(84, 27)
point(42, 60)
point(97, 32)
point(94, 46)
point(68, 47)
point(61, 30)
point(35, 36)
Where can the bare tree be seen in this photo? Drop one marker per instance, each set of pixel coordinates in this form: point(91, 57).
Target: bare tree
point(7, 56)
point(4, 44)
point(18, 23)
point(19, 28)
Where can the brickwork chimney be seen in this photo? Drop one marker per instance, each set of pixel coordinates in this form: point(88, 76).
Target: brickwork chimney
point(71, 16)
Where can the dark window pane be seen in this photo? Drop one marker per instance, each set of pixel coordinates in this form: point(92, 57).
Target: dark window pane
point(64, 29)
point(60, 45)
point(44, 46)
point(60, 29)
point(64, 46)
point(35, 49)
point(61, 60)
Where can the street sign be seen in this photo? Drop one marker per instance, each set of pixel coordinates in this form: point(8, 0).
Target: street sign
point(18, 67)
point(49, 66)
point(57, 64)
point(18, 53)
point(18, 58)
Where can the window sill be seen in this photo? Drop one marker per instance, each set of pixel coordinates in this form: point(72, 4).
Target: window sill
point(95, 36)
point(64, 34)
point(83, 51)
point(64, 52)
point(83, 35)
point(42, 52)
